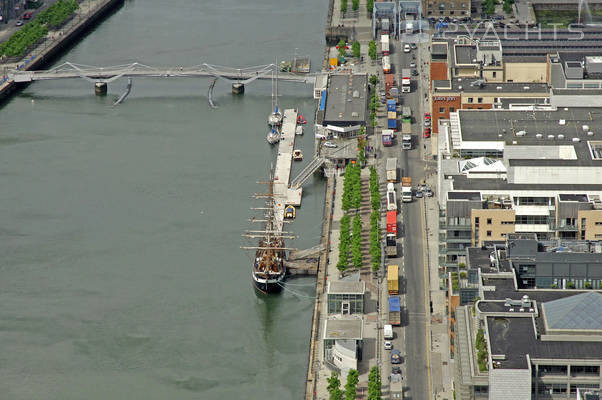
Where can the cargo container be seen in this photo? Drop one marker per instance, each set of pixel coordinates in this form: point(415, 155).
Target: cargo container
point(392, 223)
point(396, 387)
point(387, 137)
point(391, 115)
point(391, 236)
point(406, 126)
point(391, 200)
point(385, 25)
point(394, 310)
point(392, 124)
point(391, 168)
point(391, 104)
point(384, 44)
point(393, 279)
point(386, 65)
point(406, 112)
point(394, 92)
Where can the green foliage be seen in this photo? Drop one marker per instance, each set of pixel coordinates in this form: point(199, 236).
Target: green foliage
point(343, 6)
point(369, 6)
point(489, 6)
point(463, 274)
point(481, 350)
point(372, 51)
point(355, 5)
point(454, 279)
point(508, 6)
point(374, 384)
point(373, 80)
point(37, 29)
point(462, 265)
point(58, 13)
point(375, 251)
point(361, 146)
point(570, 285)
point(344, 243)
point(356, 49)
point(342, 49)
point(351, 385)
point(356, 242)
point(374, 189)
point(588, 285)
point(334, 387)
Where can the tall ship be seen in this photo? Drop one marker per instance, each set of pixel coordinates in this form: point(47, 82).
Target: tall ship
point(268, 269)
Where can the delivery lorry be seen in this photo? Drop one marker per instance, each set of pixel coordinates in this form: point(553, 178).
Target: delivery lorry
point(406, 189)
point(387, 137)
point(394, 310)
point(393, 279)
point(391, 169)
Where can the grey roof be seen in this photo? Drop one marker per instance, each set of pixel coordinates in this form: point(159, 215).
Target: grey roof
point(522, 248)
point(473, 196)
point(347, 328)
point(465, 54)
point(516, 337)
point(346, 99)
point(463, 183)
point(510, 384)
point(573, 197)
point(478, 257)
point(470, 85)
point(439, 49)
point(579, 312)
point(342, 287)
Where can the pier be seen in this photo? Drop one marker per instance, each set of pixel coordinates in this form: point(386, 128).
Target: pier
point(283, 195)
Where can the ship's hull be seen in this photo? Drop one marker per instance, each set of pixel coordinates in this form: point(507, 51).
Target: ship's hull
point(267, 286)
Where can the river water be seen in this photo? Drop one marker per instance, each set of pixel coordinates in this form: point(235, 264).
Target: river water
point(121, 275)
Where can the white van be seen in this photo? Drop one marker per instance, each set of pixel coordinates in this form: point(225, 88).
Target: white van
point(388, 332)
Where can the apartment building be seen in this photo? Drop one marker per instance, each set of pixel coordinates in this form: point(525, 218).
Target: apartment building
point(446, 8)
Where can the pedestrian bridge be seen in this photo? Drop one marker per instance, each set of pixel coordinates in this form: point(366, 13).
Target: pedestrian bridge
point(109, 74)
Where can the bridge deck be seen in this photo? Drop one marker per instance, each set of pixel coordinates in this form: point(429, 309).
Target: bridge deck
point(283, 195)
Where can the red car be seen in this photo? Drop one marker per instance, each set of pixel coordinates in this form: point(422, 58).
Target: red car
point(427, 132)
point(27, 15)
point(427, 116)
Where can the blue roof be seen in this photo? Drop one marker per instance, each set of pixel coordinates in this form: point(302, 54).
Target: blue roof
point(323, 100)
point(394, 303)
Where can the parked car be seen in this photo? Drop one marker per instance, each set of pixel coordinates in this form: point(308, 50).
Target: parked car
point(427, 116)
point(413, 46)
point(427, 132)
point(406, 48)
point(395, 357)
point(388, 345)
point(414, 72)
point(418, 194)
point(428, 192)
point(427, 122)
point(330, 145)
point(412, 64)
point(19, 23)
point(396, 369)
point(27, 15)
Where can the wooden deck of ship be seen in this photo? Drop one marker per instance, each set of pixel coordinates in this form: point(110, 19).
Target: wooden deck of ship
point(283, 195)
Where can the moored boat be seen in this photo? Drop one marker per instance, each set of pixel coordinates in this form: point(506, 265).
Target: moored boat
point(297, 155)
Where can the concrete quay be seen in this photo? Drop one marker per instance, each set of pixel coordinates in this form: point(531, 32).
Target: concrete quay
point(89, 13)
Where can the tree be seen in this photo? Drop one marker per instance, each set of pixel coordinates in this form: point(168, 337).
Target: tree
point(350, 387)
point(489, 7)
point(342, 48)
point(334, 387)
point(343, 6)
point(355, 48)
point(355, 5)
point(372, 52)
point(369, 6)
point(373, 80)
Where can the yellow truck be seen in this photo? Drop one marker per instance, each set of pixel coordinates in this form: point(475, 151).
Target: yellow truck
point(393, 279)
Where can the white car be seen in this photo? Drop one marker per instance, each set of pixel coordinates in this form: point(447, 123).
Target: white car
point(330, 145)
point(388, 345)
point(406, 48)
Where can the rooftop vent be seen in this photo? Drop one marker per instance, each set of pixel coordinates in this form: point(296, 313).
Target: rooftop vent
point(521, 133)
point(550, 137)
point(355, 114)
point(511, 309)
point(499, 88)
point(500, 135)
point(590, 133)
point(576, 139)
point(460, 87)
point(539, 136)
point(554, 59)
point(526, 88)
point(560, 137)
point(585, 128)
point(522, 309)
point(562, 122)
point(514, 142)
point(356, 93)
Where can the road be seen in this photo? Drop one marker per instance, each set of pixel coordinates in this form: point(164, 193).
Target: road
point(411, 338)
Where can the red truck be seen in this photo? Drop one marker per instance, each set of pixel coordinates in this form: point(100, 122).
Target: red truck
point(391, 238)
point(389, 83)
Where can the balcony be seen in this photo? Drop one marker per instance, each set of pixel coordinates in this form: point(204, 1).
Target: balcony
point(465, 240)
point(566, 228)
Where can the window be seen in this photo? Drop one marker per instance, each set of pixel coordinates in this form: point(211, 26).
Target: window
point(470, 99)
point(507, 222)
point(479, 108)
point(452, 109)
point(598, 223)
point(494, 74)
point(531, 219)
point(476, 221)
point(488, 221)
point(441, 109)
point(488, 233)
point(463, 12)
point(480, 99)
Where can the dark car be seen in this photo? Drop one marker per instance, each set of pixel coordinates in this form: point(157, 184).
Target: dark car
point(413, 46)
point(396, 369)
point(395, 357)
point(414, 72)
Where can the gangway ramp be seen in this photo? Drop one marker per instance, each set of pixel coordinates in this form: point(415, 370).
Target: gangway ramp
point(304, 175)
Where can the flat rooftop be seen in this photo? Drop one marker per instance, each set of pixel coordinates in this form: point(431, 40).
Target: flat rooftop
point(346, 99)
point(474, 196)
point(478, 257)
point(347, 328)
point(462, 183)
point(475, 85)
point(515, 337)
point(346, 287)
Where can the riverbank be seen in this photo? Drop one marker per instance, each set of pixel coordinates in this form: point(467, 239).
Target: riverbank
point(55, 43)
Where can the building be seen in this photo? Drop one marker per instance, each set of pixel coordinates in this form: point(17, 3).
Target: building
point(346, 297)
point(344, 109)
point(446, 8)
point(342, 343)
point(535, 346)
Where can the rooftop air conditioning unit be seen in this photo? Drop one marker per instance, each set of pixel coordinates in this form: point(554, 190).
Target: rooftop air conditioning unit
point(562, 122)
point(526, 88)
point(560, 137)
point(590, 133)
point(499, 88)
point(539, 136)
point(585, 128)
point(576, 139)
point(460, 87)
point(550, 137)
point(521, 133)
